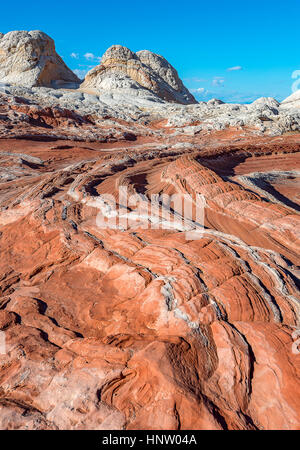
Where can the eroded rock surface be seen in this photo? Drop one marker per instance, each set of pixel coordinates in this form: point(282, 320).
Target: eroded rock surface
point(133, 73)
point(130, 315)
point(292, 101)
point(28, 58)
point(135, 326)
point(262, 117)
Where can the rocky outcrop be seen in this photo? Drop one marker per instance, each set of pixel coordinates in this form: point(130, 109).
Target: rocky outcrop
point(121, 69)
point(29, 59)
point(130, 315)
point(264, 116)
point(293, 101)
point(139, 327)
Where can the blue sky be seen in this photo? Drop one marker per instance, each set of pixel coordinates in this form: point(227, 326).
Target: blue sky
point(258, 40)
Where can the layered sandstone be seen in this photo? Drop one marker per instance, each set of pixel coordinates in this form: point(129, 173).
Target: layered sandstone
point(143, 327)
point(138, 314)
point(121, 69)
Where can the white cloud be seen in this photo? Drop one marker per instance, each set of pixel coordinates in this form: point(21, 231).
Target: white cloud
point(231, 96)
point(198, 90)
point(89, 56)
point(194, 80)
point(74, 55)
point(218, 81)
point(230, 69)
point(81, 73)
point(92, 57)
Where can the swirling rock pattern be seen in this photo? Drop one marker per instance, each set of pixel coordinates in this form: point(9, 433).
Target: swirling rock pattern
point(136, 327)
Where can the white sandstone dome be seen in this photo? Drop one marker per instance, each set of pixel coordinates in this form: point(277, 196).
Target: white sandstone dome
point(146, 70)
point(293, 101)
point(28, 58)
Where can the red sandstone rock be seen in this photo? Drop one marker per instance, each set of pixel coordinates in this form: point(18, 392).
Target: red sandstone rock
point(145, 328)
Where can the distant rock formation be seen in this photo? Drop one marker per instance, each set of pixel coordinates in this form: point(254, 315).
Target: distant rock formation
point(215, 101)
point(29, 59)
point(264, 102)
point(293, 101)
point(121, 69)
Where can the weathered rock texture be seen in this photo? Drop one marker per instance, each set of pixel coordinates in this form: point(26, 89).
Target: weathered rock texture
point(139, 328)
point(129, 318)
point(29, 59)
point(293, 101)
point(121, 69)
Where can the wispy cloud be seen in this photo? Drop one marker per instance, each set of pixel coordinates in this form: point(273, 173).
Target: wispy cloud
point(218, 81)
point(230, 96)
point(86, 66)
point(74, 55)
point(200, 90)
point(91, 57)
point(230, 69)
point(194, 80)
point(81, 73)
